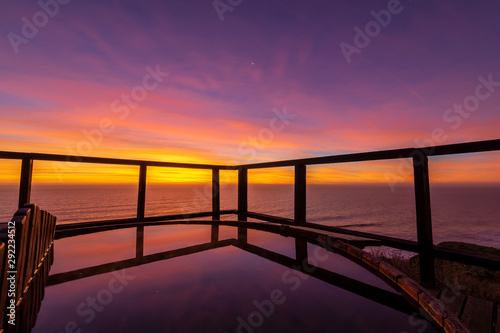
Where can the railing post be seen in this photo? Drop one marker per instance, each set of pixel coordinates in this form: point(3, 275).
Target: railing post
point(300, 194)
point(242, 202)
point(215, 195)
point(242, 194)
point(25, 183)
point(141, 199)
point(424, 218)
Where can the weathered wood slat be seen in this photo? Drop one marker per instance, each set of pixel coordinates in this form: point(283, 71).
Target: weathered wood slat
point(35, 231)
point(478, 315)
point(435, 308)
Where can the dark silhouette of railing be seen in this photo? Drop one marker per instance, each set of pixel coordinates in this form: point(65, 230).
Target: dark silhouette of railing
point(424, 245)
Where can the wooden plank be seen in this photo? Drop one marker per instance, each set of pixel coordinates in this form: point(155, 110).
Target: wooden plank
point(53, 228)
point(45, 232)
point(478, 315)
point(32, 211)
point(41, 236)
point(435, 308)
point(28, 249)
point(410, 290)
point(371, 260)
point(389, 274)
point(35, 230)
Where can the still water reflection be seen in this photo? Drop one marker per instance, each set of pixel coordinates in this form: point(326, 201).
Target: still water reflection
point(194, 278)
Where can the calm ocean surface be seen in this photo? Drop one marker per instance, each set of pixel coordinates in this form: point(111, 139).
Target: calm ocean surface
point(460, 213)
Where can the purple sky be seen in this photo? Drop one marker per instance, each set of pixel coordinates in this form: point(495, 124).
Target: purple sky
point(226, 77)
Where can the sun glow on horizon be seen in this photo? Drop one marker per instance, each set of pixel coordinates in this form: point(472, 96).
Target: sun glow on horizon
point(479, 168)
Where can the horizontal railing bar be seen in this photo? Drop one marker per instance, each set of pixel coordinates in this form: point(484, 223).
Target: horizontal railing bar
point(355, 157)
point(464, 148)
point(102, 160)
point(460, 148)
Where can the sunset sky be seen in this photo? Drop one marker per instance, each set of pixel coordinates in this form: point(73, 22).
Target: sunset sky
point(242, 81)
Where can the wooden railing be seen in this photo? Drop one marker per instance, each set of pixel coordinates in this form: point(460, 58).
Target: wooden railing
point(26, 254)
point(419, 156)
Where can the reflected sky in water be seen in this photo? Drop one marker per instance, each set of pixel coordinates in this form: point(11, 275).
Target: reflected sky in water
point(219, 289)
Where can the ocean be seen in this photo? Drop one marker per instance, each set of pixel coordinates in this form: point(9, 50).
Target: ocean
point(466, 213)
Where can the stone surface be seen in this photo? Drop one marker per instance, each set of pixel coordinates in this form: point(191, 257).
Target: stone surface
point(478, 315)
